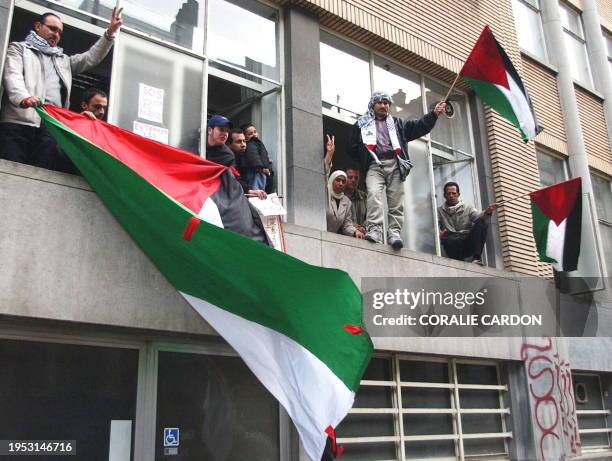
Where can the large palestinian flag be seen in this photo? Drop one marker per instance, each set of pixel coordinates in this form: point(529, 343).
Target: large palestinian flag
point(298, 327)
point(557, 221)
point(490, 73)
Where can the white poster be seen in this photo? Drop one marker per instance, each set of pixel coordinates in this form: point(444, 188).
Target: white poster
point(150, 103)
point(156, 133)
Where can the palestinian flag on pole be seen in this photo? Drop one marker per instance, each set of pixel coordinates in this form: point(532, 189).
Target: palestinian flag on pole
point(297, 327)
point(490, 73)
point(557, 221)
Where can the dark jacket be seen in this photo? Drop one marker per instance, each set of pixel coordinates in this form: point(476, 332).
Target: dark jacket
point(256, 155)
point(407, 131)
point(223, 155)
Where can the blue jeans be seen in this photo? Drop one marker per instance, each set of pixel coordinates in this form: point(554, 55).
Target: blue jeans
point(256, 179)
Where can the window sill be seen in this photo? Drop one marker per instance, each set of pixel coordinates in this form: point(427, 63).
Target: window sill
point(537, 60)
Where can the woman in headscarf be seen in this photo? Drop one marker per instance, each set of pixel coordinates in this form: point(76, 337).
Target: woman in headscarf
point(339, 206)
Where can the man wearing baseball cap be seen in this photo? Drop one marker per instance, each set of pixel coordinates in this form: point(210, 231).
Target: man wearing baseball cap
point(217, 133)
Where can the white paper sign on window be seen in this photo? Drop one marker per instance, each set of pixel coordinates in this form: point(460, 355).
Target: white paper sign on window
point(150, 103)
point(153, 132)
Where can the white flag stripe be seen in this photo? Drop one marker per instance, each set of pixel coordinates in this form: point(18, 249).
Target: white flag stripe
point(312, 394)
point(520, 106)
point(555, 243)
point(210, 213)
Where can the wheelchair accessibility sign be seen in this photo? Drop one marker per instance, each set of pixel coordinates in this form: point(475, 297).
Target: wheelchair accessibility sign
point(171, 437)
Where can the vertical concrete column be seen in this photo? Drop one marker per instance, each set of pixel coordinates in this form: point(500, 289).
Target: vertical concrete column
point(578, 160)
point(6, 10)
point(303, 120)
point(599, 57)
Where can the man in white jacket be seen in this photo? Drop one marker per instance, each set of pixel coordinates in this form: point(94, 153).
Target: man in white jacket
point(36, 71)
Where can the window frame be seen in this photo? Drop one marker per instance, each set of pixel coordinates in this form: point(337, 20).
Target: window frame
point(540, 150)
point(581, 40)
point(605, 412)
point(398, 411)
point(74, 16)
point(538, 10)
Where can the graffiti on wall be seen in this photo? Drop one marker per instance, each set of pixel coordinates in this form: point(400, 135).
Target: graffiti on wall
point(551, 396)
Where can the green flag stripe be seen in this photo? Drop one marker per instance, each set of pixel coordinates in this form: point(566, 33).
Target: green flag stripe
point(540, 232)
point(308, 304)
point(490, 94)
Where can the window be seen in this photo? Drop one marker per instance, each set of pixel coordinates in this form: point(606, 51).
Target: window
point(342, 95)
point(221, 408)
point(602, 191)
point(349, 74)
point(592, 411)
point(528, 23)
point(552, 169)
point(575, 44)
point(412, 408)
point(175, 21)
point(54, 391)
point(170, 101)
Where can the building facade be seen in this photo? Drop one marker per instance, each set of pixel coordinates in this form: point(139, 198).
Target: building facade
point(97, 346)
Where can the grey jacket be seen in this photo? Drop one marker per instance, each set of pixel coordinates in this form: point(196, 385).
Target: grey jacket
point(339, 217)
point(24, 76)
point(461, 221)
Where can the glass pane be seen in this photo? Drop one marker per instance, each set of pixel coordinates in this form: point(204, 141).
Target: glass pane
point(379, 369)
point(374, 397)
point(425, 372)
point(570, 20)
point(476, 374)
point(418, 231)
point(551, 169)
point(244, 33)
point(576, 53)
point(176, 21)
point(403, 85)
point(419, 397)
point(66, 392)
point(437, 449)
point(602, 192)
point(469, 398)
point(367, 425)
point(345, 76)
point(474, 447)
point(449, 134)
point(428, 424)
point(369, 451)
point(219, 406)
point(481, 424)
point(161, 101)
point(529, 29)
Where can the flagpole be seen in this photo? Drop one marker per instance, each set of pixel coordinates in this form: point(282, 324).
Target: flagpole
point(451, 89)
point(512, 199)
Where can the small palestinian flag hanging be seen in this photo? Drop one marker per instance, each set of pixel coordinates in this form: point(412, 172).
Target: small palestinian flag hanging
point(557, 221)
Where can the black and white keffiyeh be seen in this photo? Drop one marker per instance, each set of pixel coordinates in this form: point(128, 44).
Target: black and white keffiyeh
point(42, 45)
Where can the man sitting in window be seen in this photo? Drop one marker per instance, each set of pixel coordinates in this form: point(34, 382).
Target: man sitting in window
point(36, 71)
point(463, 230)
point(94, 103)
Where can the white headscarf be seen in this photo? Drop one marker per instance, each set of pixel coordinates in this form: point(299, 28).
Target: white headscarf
point(330, 182)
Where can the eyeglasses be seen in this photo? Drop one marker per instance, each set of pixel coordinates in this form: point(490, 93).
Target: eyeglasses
point(99, 107)
point(54, 29)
